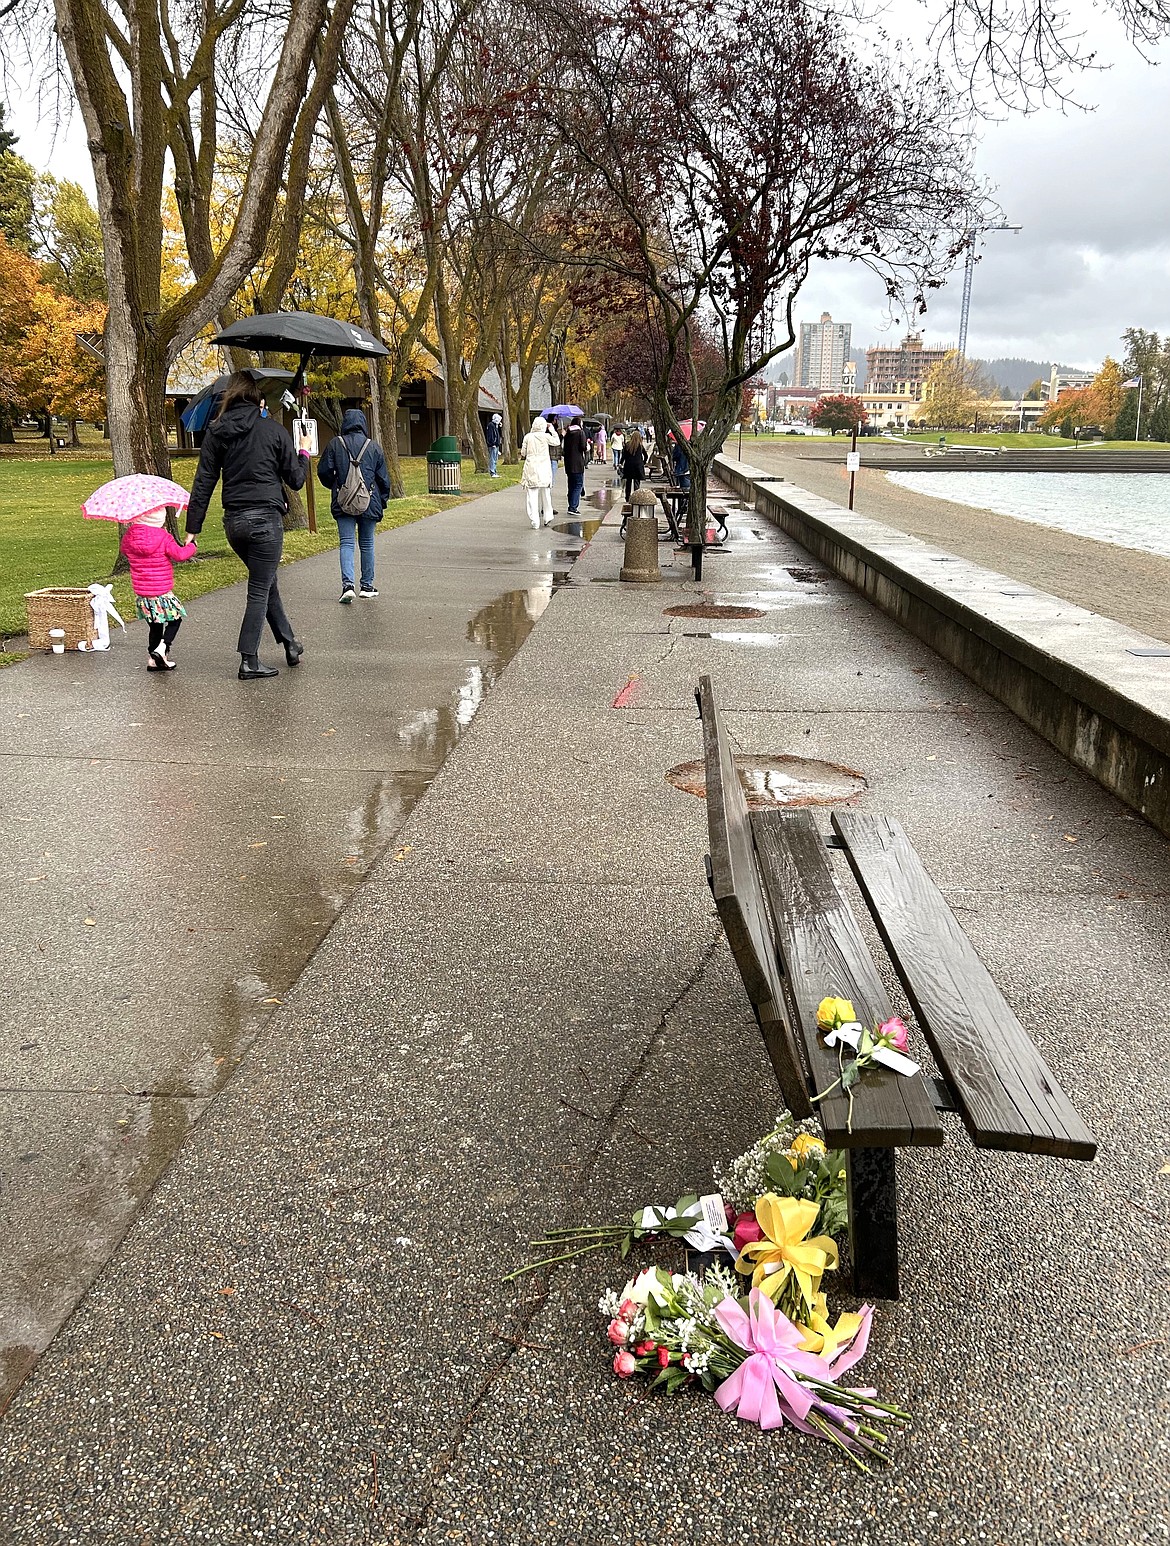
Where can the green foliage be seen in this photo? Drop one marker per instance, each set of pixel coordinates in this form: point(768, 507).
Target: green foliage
point(16, 200)
point(67, 235)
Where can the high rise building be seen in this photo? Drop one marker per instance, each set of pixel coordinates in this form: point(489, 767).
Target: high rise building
point(821, 354)
point(901, 371)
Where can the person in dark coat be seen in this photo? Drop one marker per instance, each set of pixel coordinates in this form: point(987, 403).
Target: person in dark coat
point(494, 436)
point(333, 469)
point(256, 458)
point(632, 466)
point(576, 453)
point(680, 465)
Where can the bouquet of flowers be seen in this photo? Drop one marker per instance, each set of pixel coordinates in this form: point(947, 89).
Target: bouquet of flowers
point(768, 1349)
point(886, 1045)
point(683, 1329)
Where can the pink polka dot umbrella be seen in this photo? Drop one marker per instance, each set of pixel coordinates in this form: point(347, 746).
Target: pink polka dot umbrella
point(139, 494)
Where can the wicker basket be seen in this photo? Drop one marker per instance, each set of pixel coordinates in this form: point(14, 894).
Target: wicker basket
point(60, 606)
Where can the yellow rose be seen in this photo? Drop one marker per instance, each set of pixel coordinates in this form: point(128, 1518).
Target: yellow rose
point(832, 1012)
point(805, 1144)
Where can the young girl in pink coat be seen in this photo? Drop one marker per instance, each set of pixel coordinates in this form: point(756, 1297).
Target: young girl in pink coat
point(150, 550)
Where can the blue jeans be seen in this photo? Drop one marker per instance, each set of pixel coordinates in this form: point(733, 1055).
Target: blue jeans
point(362, 528)
point(576, 489)
point(493, 459)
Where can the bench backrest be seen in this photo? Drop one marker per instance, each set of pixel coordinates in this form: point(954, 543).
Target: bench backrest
point(739, 898)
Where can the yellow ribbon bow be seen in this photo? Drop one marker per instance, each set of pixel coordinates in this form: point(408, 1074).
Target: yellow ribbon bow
point(784, 1253)
point(822, 1337)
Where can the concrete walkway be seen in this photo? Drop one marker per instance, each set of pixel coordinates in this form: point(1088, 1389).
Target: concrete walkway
point(178, 846)
point(527, 1015)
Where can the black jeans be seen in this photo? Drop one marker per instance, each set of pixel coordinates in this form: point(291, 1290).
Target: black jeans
point(257, 537)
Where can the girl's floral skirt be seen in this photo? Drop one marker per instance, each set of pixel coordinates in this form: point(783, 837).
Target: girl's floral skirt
point(160, 609)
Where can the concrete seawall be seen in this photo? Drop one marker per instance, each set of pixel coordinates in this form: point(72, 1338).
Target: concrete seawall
point(1070, 674)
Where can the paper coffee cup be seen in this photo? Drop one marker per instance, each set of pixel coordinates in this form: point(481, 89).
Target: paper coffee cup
point(57, 635)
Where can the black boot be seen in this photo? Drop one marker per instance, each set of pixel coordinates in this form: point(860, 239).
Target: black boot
point(251, 669)
point(293, 650)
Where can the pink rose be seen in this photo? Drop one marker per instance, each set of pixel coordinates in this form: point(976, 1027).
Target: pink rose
point(618, 1333)
point(624, 1365)
point(628, 1309)
point(663, 1357)
point(895, 1033)
point(747, 1230)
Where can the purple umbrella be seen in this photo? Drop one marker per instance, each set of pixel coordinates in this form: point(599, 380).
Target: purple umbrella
point(564, 411)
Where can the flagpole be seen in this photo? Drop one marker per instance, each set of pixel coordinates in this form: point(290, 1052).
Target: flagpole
point(1137, 429)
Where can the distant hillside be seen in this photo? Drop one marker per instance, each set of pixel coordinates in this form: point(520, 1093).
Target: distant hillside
point(1015, 376)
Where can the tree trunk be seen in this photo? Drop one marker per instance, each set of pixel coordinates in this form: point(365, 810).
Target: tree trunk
point(390, 443)
point(296, 517)
point(136, 379)
point(697, 500)
point(74, 437)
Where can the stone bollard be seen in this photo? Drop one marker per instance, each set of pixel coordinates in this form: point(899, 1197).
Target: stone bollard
point(641, 562)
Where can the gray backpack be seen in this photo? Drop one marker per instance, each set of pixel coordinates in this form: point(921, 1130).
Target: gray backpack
point(353, 497)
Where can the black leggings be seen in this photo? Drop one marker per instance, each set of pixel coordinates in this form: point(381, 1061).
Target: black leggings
point(163, 633)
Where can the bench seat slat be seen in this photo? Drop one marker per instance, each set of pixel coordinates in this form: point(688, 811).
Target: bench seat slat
point(826, 955)
point(1008, 1096)
point(739, 900)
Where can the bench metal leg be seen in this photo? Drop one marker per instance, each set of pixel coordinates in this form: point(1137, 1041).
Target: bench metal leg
point(873, 1222)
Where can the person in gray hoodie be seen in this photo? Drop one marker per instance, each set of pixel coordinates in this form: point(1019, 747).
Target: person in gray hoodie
point(354, 445)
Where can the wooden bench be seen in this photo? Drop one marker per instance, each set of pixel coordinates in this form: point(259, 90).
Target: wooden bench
point(795, 940)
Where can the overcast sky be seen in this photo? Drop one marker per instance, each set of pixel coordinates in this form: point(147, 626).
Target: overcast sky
point(1090, 190)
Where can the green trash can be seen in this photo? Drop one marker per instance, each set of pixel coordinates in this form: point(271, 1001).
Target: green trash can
point(444, 465)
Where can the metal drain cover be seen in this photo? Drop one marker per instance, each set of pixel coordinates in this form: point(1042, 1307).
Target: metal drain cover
point(785, 781)
point(708, 609)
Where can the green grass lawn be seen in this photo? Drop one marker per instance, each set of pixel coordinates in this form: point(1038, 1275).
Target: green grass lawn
point(45, 541)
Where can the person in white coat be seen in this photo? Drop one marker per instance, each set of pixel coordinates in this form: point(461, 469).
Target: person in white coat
point(537, 477)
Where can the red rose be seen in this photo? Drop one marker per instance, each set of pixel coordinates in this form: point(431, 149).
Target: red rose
point(747, 1231)
point(663, 1357)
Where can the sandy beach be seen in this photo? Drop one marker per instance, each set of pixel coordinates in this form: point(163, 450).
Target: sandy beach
point(1117, 582)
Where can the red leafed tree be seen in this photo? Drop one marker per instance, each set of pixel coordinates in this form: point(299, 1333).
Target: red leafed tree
point(739, 141)
point(834, 413)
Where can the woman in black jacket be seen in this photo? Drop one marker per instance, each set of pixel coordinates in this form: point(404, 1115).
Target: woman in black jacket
point(632, 465)
point(256, 458)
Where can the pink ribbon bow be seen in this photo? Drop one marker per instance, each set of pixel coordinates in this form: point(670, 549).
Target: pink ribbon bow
point(766, 1388)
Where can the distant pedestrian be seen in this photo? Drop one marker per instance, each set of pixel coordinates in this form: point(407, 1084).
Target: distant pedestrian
point(256, 457)
point(554, 449)
point(633, 463)
point(537, 476)
point(494, 435)
point(680, 464)
point(151, 552)
point(599, 443)
point(576, 454)
point(354, 468)
point(618, 444)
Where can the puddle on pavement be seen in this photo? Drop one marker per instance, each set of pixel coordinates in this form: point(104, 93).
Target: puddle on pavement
point(297, 884)
point(762, 640)
point(714, 611)
point(786, 781)
point(586, 527)
point(602, 498)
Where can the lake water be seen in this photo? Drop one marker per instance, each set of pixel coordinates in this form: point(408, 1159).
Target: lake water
point(1131, 510)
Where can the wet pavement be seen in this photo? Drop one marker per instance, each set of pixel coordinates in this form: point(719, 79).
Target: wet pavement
point(527, 1016)
point(178, 846)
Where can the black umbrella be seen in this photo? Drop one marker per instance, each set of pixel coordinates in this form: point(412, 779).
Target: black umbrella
point(299, 332)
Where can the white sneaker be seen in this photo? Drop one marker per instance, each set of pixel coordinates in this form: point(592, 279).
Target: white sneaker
point(368, 592)
point(347, 596)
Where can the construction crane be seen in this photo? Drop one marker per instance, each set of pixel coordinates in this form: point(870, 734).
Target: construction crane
point(968, 274)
